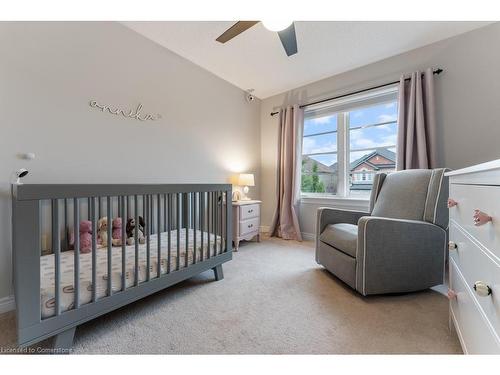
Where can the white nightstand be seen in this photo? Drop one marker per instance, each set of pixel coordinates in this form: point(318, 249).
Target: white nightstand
point(246, 221)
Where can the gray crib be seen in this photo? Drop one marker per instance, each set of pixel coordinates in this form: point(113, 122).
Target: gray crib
point(187, 230)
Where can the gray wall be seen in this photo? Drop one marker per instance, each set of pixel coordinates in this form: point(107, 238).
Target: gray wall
point(50, 71)
point(468, 104)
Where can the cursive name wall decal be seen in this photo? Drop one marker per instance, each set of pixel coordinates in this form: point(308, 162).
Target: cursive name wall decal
point(126, 113)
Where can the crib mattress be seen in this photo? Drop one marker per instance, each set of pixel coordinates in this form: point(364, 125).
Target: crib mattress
point(67, 296)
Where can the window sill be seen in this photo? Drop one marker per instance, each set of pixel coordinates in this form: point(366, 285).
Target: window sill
point(350, 203)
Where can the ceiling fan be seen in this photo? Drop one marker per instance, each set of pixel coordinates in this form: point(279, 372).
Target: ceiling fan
point(286, 32)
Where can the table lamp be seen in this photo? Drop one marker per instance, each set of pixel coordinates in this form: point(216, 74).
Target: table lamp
point(246, 180)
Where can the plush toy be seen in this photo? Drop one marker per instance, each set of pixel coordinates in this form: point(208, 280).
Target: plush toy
point(131, 231)
point(117, 231)
point(102, 232)
point(85, 237)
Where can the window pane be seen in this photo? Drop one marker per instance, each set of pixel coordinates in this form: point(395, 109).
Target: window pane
point(319, 144)
point(320, 124)
point(379, 139)
point(365, 164)
point(319, 174)
point(375, 136)
point(374, 114)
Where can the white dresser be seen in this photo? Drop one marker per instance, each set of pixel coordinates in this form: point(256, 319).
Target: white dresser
point(474, 265)
point(246, 221)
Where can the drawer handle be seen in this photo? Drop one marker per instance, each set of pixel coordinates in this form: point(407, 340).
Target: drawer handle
point(482, 289)
point(451, 294)
point(452, 203)
point(250, 211)
point(452, 245)
point(481, 218)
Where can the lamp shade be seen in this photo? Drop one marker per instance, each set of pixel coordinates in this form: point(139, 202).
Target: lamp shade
point(246, 179)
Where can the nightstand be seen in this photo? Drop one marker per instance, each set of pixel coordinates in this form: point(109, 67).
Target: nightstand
point(246, 221)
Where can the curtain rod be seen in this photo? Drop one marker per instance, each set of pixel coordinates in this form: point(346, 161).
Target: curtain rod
point(437, 71)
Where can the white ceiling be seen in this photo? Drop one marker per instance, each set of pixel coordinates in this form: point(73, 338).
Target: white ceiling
point(255, 59)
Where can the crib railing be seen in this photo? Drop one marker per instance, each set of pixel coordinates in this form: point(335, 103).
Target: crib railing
point(45, 215)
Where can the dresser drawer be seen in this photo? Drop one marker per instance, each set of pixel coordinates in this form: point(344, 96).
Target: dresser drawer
point(471, 324)
point(484, 198)
point(249, 226)
point(476, 265)
point(249, 210)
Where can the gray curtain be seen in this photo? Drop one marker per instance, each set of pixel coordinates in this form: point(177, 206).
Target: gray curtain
point(416, 122)
point(285, 222)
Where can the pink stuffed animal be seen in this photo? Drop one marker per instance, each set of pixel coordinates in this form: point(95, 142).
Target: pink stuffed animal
point(117, 231)
point(85, 237)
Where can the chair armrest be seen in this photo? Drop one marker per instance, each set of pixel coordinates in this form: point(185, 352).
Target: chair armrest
point(328, 215)
point(395, 256)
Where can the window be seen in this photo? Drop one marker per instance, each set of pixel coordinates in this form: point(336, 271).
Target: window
point(347, 141)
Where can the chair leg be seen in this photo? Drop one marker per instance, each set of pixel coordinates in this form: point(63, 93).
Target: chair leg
point(63, 341)
point(219, 275)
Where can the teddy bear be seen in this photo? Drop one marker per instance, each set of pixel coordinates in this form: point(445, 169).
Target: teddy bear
point(117, 231)
point(102, 232)
point(85, 237)
point(131, 231)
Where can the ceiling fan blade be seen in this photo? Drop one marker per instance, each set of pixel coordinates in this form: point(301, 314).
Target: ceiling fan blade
point(289, 40)
point(235, 30)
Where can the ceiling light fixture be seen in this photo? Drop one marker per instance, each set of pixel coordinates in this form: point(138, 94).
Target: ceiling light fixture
point(277, 24)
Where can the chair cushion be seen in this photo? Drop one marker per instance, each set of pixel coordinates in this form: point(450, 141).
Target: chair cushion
point(343, 237)
point(403, 195)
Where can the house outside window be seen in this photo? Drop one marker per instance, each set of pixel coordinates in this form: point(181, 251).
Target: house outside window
point(346, 142)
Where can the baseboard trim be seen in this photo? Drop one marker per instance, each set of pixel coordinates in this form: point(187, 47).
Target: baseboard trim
point(7, 304)
point(264, 229)
point(308, 236)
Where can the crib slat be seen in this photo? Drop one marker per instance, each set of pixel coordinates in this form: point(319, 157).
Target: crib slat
point(151, 214)
point(216, 220)
point(110, 245)
point(66, 228)
point(229, 234)
point(193, 203)
point(89, 214)
point(94, 249)
point(56, 247)
point(128, 210)
point(158, 257)
point(76, 250)
point(136, 241)
point(147, 229)
point(164, 212)
point(202, 223)
point(226, 200)
point(100, 206)
point(143, 212)
point(209, 216)
point(169, 231)
point(186, 220)
point(221, 220)
point(178, 224)
point(124, 240)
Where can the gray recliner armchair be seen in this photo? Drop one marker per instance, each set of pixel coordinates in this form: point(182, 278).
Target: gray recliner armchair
point(399, 245)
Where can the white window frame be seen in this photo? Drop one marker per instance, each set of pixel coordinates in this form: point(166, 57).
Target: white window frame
point(342, 107)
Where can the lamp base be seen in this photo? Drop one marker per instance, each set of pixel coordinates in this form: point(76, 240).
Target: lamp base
point(244, 196)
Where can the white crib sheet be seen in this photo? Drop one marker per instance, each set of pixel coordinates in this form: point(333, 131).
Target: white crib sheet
point(67, 298)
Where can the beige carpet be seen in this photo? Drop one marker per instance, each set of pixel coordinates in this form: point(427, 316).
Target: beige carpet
point(274, 299)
